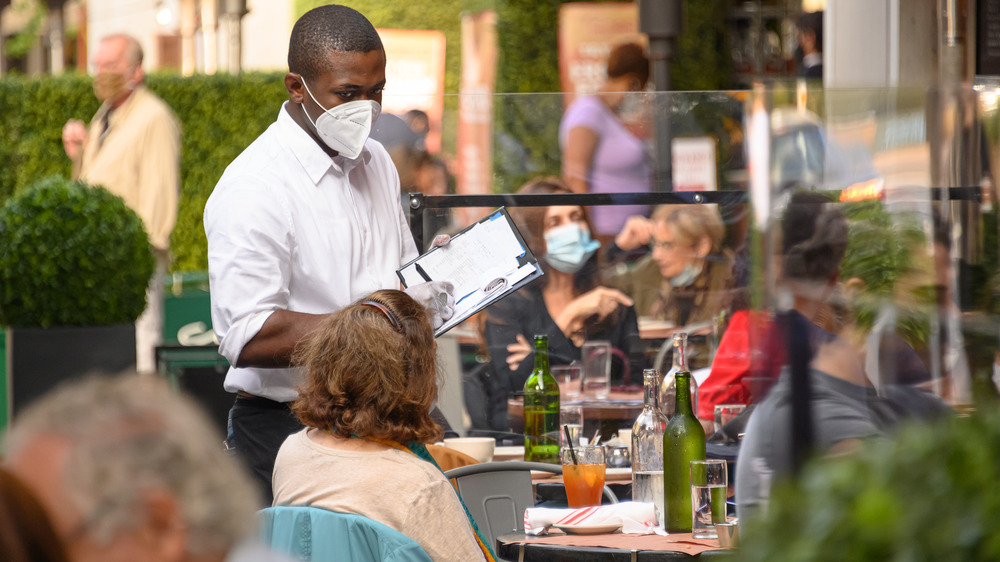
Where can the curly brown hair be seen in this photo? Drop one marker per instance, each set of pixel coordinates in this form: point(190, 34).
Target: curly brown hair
point(365, 378)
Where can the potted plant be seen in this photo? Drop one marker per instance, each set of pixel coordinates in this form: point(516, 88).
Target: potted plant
point(75, 262)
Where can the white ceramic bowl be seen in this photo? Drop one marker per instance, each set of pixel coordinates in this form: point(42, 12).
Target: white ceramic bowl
point(625, 436)
point(479, 448)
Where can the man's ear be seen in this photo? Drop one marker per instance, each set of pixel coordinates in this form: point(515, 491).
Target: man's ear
point(296, 90)
point(165, 528)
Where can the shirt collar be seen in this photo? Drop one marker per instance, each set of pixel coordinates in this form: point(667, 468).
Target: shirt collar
point(812, 59)
point(310, 155)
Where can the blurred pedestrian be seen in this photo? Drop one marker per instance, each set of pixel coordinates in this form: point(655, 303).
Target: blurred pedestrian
point(810, 38)
point(132, 148)
point(600, 154)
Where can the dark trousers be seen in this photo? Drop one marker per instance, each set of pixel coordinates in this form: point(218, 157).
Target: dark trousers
point(259, 428)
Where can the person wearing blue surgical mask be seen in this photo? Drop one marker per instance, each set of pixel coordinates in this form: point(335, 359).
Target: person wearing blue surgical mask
point(568, 303)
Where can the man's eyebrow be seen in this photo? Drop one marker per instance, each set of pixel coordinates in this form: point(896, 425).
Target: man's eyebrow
point(357, 87)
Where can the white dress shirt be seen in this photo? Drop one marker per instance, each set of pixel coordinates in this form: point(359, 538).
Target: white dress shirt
point(290, 228)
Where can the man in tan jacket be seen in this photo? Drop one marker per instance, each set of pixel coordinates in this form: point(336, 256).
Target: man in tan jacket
point(132, 148)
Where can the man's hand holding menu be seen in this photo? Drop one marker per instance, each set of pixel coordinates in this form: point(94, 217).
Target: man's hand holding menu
point(483, 263)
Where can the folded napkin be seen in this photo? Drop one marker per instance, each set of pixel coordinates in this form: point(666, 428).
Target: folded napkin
point(634, 517)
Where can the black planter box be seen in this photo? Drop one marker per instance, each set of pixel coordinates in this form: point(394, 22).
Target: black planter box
point(38, 359)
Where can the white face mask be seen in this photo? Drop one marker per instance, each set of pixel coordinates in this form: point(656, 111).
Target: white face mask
point(686, 277)
point(345, 127)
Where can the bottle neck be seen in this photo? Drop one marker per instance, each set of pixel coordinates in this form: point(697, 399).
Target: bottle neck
point(680, 355)
point(541, 358)
point(650, 390)
point(682, 402)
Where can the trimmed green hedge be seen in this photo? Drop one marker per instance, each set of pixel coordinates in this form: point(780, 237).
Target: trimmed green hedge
point(220, 115)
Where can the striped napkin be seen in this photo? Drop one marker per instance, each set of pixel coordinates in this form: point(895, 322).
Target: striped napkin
point(634, 517)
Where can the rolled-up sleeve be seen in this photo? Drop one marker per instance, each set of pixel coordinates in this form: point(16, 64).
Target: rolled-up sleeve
point(249, 255)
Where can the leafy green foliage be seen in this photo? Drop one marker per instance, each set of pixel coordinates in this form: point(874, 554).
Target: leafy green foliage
point(929, 494)
point(71, 255)
point(220, 115)
point(881, 251)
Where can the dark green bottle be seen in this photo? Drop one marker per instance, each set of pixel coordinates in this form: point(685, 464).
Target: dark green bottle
point(541, 409)
point(683, 442)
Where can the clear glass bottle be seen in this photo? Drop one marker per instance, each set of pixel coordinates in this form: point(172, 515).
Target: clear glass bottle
point(541, 409)
point(647, 446)
point(668, 387)
point(683, 442)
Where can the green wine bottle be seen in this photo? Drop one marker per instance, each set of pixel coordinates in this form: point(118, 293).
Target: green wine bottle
point(541, 409)
point(683, 442)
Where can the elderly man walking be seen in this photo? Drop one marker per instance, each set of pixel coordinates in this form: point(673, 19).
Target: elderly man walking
point(132, 148)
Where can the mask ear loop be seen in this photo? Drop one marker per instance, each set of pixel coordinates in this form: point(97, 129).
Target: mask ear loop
point(312, 97)
point(388, 314)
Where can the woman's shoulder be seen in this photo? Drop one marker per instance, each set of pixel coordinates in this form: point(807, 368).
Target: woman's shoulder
point(585, 111)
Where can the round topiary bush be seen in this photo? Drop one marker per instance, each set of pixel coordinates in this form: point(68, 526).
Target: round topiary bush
point(71, 255)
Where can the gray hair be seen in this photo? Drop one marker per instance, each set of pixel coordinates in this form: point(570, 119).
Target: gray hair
point(129, 435)
point(133, 49)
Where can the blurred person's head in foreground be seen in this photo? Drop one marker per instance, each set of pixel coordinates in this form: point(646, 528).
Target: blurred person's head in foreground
point(129, 470)
point(371, 372)
point(26, 532)
point(683, 237)
point(117, 68)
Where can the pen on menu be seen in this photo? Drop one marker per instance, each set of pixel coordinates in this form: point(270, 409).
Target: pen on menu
point(422, 273)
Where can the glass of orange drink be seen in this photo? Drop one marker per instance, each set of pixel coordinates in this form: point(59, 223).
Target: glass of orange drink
point(583, 474)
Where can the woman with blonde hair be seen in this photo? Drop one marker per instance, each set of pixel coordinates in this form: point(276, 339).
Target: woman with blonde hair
point(687, 276)
point(366, 401)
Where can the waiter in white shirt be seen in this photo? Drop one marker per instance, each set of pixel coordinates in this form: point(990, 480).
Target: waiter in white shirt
point(304, 222)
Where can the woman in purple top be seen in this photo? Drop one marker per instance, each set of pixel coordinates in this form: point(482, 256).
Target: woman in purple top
point(600, 154)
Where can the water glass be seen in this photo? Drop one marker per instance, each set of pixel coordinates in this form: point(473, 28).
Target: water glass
point(583, 474)
point(571, 418)
point(570, 378)
point(596, 359)
point(724, 413)
point(709, 484)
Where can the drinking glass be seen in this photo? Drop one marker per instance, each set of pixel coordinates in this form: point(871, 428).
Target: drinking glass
point(724, 413)
point(709, 483)
point(596, 359)
point(571, 418)
point(569, 378)
point(583, 474)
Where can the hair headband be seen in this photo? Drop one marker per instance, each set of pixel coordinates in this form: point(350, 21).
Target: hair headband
point(388, 314)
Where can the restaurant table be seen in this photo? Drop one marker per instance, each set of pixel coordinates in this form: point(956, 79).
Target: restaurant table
point(618, 411)
point(614, 547)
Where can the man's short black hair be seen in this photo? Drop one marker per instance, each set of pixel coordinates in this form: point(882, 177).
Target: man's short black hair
point(327, 29)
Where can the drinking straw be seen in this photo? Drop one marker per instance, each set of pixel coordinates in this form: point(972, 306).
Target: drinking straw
point(569, 440)
point(597, 436)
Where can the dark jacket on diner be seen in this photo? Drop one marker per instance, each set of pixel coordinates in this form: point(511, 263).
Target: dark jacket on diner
point(524, 313)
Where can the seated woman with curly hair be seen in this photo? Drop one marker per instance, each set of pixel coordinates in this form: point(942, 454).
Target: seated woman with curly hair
point(371, 381)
